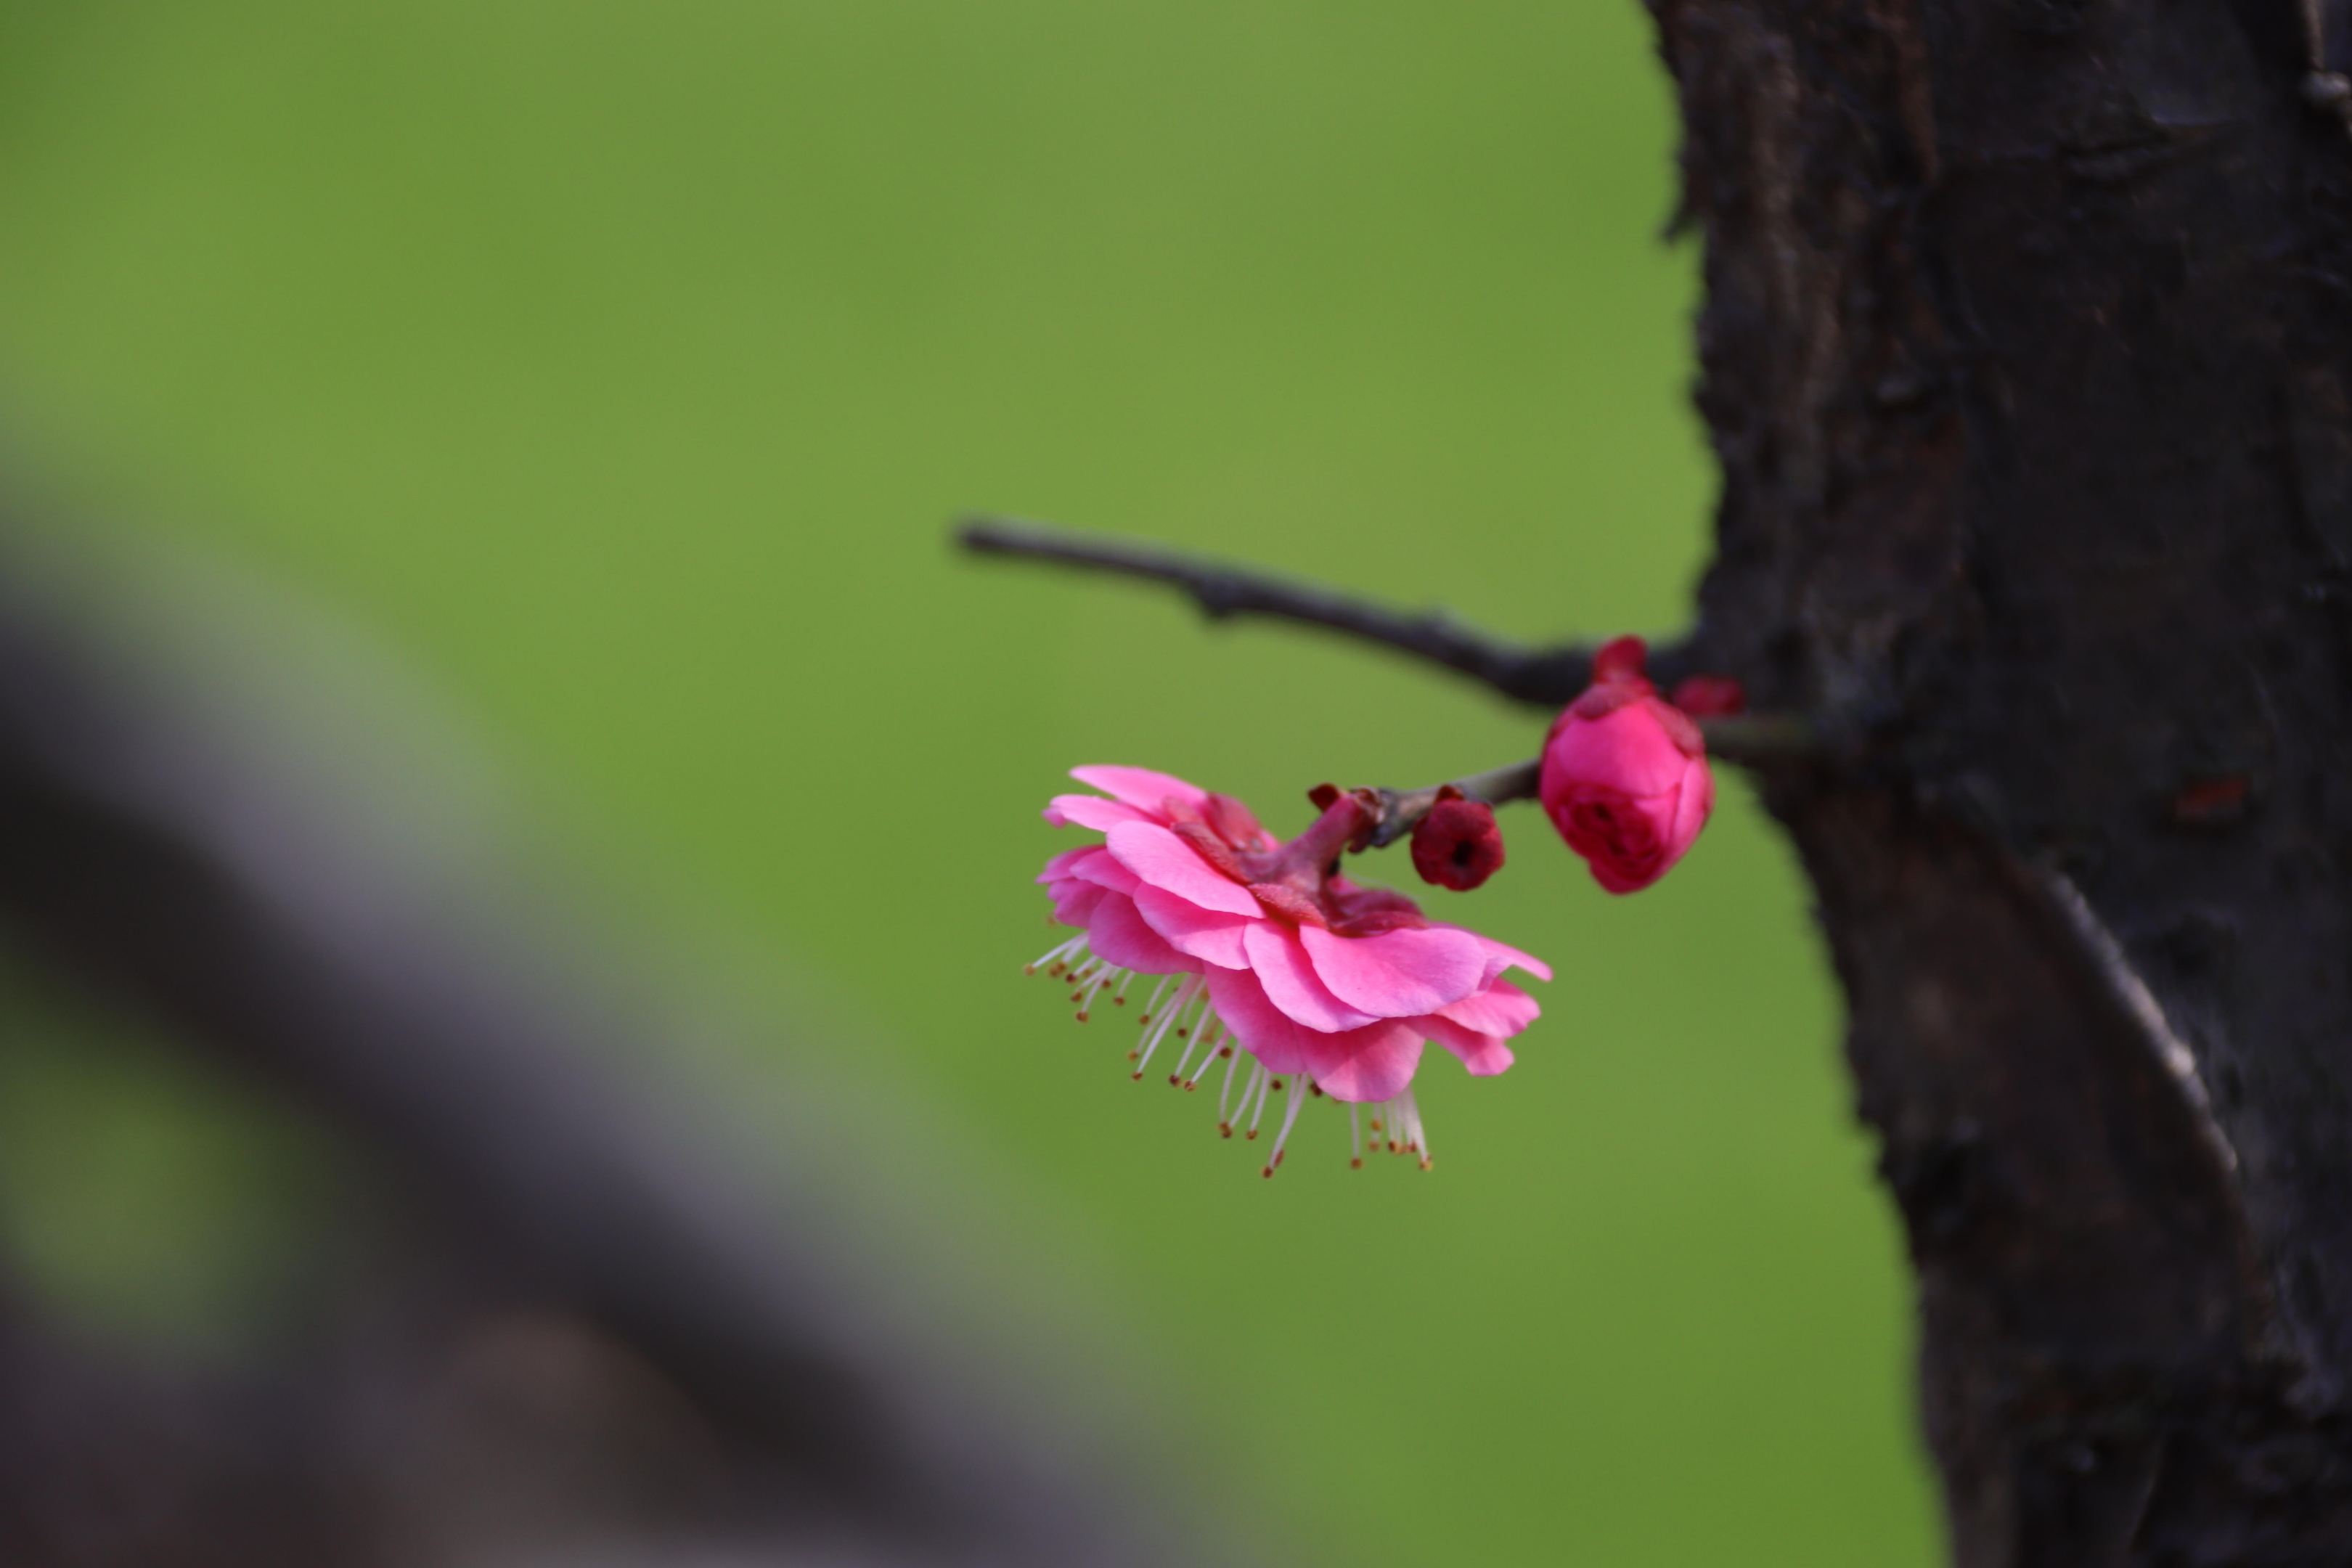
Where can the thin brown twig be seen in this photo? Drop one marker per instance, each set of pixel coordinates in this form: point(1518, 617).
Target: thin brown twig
point(1545, 678)
point(1401, 810)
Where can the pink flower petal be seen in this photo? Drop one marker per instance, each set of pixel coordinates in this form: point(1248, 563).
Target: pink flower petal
point(1104, 870)
point(1164, 860)
point(1514, 959)
point(1288, 975)
point(1058, 867)
point(1691, 810)
point(1373, 1063)
point(1141, 787)
point(1258, 1024)
point(1209, 934)
point(1501, 1009)
point(1120, 936)
point(1400, 973)
point(1091, 811)
point(1075, 902)
point(1483, 1055)
point(1629, 751)
point(1501, 956)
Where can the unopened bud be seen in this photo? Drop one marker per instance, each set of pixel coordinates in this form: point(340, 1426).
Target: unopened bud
point(1625, 773)
point(1457, 844)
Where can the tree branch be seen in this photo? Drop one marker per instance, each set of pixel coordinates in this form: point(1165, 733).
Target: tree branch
point(1545, 678)
point(1401, 810)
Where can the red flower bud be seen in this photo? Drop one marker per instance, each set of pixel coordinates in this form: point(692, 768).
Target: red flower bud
point(1711, 697)
point(1625, 775)
point(1457, 844)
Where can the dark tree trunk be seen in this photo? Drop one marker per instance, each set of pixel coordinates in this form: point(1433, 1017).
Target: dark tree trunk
point(2025, 353)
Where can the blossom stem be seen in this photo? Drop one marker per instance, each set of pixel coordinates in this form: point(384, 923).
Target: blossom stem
point(1400, 810)
point(1750, 738)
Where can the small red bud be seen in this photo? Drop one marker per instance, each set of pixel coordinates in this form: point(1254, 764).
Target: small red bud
point(1457, 844)
point(1710, 697)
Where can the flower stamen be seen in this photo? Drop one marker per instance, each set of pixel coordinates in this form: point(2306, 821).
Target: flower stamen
point(1183, 999)
point(1265, 1085)
point(1416, 1137)
point(1054, 956)
point(1152, 1005)
point(1216, 1041)
point(1289, 1119)
point(1200, 1038)
point(1224, 1124)
point(1094, 986)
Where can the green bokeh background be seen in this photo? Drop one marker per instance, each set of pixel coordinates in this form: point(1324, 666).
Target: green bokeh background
point(620, 366)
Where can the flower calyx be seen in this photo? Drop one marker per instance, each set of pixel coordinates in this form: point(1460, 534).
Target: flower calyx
point(1298, 881)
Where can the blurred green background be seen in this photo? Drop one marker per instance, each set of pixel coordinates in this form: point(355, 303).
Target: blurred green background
point(621, 366)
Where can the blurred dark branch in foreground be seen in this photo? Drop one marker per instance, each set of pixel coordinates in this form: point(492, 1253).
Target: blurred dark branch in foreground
point(1545, 678)
point(539, 1200)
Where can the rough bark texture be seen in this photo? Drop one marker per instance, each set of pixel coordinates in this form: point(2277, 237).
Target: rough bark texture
point(2025, 354)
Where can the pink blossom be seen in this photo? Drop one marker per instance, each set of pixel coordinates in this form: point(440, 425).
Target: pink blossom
point(1624, 775)
point(1266, 956)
